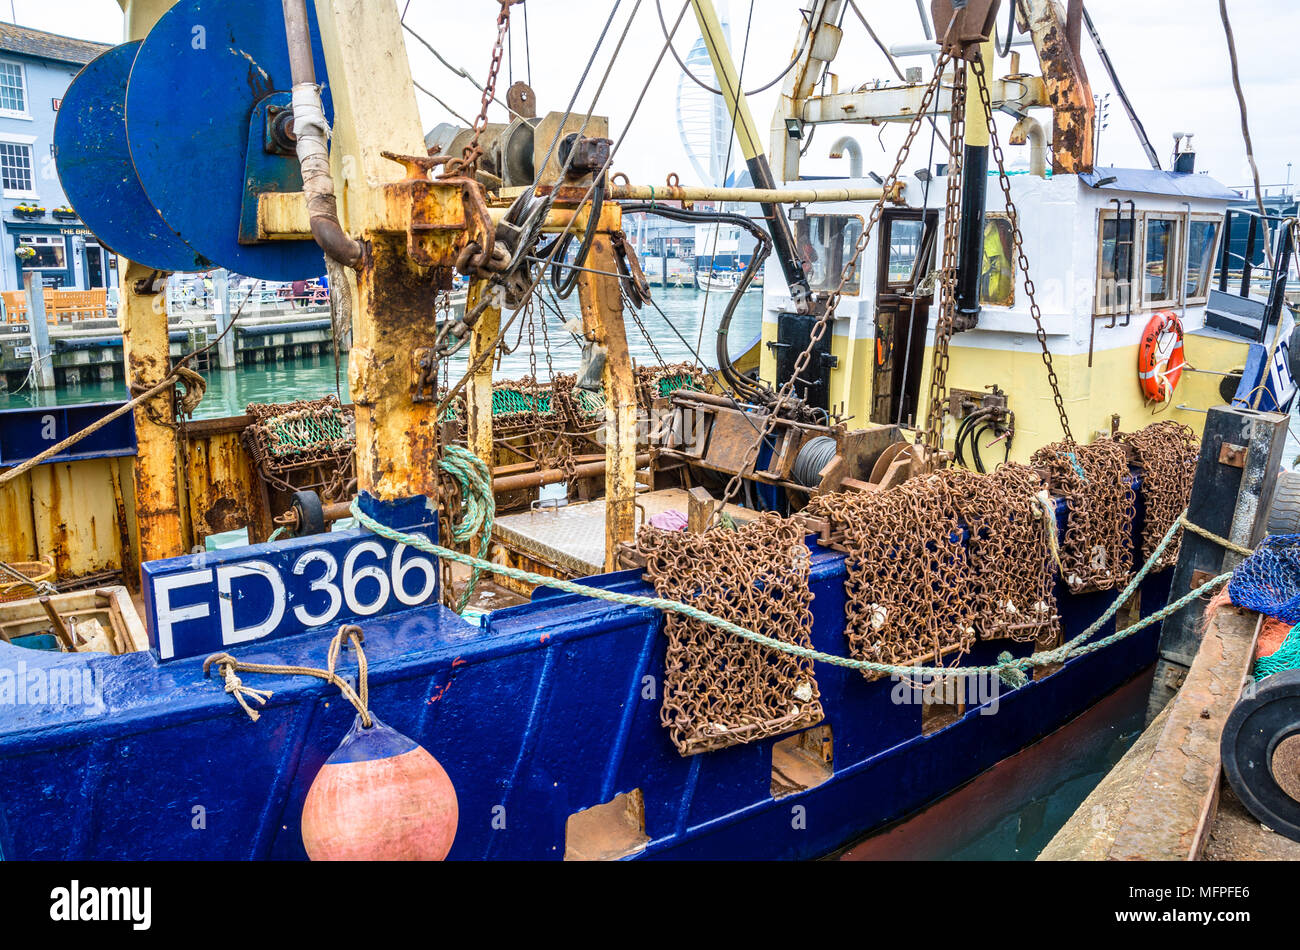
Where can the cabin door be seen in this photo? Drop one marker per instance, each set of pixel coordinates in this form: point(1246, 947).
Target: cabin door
point(903, 298)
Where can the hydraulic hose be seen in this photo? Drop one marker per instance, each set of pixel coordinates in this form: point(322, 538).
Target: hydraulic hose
point(747, 388)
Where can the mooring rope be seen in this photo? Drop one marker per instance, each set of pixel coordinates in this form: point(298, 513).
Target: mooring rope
point(478, 505)
point(195, 385)
point(228, 667)
point(1009, 669)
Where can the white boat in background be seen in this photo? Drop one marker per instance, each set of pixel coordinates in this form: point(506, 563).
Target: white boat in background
point(724, 281)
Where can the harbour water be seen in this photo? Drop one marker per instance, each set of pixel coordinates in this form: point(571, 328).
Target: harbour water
point(683, 309)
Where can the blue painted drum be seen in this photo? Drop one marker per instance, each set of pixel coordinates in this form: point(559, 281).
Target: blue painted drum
point(194, 87)
point(96, 172)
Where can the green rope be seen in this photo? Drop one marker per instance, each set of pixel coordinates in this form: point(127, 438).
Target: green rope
point(1010, 670)
point(1286, 657)
point(478, 509)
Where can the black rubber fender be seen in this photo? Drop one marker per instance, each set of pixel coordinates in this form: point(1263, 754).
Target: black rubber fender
point(1284, 509)
point(311, 514)
point(1267, 715)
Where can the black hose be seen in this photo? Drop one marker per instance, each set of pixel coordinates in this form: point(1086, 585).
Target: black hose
point(966, 430)
point(563, 283)
point(733, 377)
point(1011, 30)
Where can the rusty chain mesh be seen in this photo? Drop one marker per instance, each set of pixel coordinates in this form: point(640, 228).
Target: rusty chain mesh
point(919, 588)
point(285, 441)
point(1009, 550)
point(1166, 453)
point(1094, 480)
point(721, 690)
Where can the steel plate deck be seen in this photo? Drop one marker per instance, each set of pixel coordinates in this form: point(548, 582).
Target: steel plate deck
point(573, 536)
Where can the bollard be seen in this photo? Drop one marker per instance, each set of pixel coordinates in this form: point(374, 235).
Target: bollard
point(42, 372)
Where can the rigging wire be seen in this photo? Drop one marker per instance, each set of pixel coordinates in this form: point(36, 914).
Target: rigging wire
point(717, 92)
point(1245, 126)
point(456, 69)
point(432, 96)
point(614, 149)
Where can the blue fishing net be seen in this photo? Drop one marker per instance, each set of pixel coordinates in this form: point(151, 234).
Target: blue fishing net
point(1269, 580)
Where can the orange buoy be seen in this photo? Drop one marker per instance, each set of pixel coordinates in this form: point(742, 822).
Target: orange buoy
point(379, 797)
point(1160, 356)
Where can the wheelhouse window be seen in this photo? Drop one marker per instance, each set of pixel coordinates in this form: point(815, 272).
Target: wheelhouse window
point(905, 237)
point(51, 251)
point(1115, 260)
point(998, 271)
point(13, 90)
point(1161, 261)
point(1202, 252)
point(826, 243)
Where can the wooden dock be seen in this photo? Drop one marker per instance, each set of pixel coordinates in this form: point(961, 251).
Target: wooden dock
point(1167, 799)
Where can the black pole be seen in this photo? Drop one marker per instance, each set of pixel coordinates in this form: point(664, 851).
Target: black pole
point(1227, 247)
point(970, 256)
point(1248, 262)
point(1277, 292)
point(787, 253)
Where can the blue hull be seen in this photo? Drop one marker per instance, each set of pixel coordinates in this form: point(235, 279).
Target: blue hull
point(537, 717)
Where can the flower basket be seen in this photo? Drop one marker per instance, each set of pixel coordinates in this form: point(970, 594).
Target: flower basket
point(65, 214)
point(28, 211)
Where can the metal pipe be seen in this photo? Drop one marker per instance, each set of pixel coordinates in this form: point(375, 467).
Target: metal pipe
point(1030, 130)
point(311, 132)
point(847, 143)
point(553, 476)
point(743, 195)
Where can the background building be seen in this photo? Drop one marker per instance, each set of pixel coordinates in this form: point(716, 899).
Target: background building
point(36, 69)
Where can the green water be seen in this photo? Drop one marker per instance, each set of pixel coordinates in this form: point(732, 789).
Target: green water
point(230, 391)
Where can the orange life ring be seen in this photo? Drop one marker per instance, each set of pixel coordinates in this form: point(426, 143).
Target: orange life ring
point(1160, 356)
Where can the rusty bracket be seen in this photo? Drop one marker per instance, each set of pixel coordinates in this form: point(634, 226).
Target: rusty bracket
point(431, 238)
point(1234, 455)
point(425, 387)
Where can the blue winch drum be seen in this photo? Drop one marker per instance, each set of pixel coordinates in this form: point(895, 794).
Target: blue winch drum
point(95, 168)
point(190, 116)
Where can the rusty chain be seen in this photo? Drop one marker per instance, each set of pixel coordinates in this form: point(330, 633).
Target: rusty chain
point(1167, 453)
point(833, 300)
point(472, 152)
point(1022, 259)
point(721, 690)
point(947, 274)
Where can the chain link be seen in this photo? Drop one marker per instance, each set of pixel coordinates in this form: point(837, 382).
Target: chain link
point(947, 274)
point(833, 300)
point(1022, 260)
point(473, 151)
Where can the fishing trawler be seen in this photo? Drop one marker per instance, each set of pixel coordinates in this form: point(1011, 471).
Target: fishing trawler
point(776, 602)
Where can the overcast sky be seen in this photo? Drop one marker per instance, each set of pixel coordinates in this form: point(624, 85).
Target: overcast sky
point(1170, 55)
